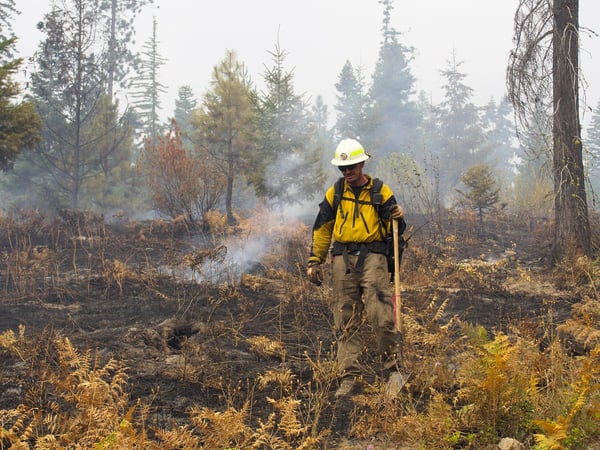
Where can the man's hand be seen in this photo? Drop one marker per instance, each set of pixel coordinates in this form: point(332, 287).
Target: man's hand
point(396, 213)
point(315, 273)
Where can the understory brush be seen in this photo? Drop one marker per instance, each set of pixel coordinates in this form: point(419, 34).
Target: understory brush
point(531, 378)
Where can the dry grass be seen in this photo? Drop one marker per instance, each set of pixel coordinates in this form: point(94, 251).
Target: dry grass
point(468, 387)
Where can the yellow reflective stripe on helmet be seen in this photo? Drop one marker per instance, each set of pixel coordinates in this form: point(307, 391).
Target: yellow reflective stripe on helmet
point(357, 152)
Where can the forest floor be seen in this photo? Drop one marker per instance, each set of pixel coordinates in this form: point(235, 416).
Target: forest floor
point(200, 322)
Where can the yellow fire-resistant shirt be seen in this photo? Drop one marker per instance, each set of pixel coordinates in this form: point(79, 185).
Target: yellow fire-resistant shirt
point(355, 221)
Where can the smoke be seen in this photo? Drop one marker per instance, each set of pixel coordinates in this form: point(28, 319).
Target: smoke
point(260, 242)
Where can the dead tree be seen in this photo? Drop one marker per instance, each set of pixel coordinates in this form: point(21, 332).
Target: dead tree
point(544, 67)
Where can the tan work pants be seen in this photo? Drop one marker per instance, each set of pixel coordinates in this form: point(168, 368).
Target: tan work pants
point(354, 293)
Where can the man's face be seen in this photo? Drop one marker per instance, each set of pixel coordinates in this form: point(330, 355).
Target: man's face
point(352, 173)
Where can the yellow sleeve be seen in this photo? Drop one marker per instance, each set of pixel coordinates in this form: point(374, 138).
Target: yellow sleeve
point(322, 229)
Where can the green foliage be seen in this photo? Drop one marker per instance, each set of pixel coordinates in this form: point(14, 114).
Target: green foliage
point(498, 387)
point(84, 138)
point(460, 141)
point(7, 11)
point(287, 167)
point(147, 88)
point(351, 103)
point(557, 432)
point(225, 127)
point(394, 117)
point(185, 105)
point(20, 122)
point(482, 194)
point(592, 154)
point(119, 17)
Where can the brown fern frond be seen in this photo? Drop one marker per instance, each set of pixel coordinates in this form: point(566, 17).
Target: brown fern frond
point(282, 377)
point(289, 423)
point(583, 325)
point(221, 429)
point(265, 346)
point(264, 437)
point(179, 437)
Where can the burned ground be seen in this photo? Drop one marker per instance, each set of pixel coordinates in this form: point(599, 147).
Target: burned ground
point(194, 328)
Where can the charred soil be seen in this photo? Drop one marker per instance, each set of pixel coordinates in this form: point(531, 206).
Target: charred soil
point(196, 329)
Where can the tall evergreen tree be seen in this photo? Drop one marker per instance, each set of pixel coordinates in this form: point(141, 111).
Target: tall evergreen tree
point(119, 19)
point(20, 122)
point(185, 104)
point(499, 132)
point(225, 123)
point(395, 118)
point(461, 142)
point(351, 104)
point(546, 59)
point(288, 169)
point(592, 144)
point(83, 135)
point(147, 88)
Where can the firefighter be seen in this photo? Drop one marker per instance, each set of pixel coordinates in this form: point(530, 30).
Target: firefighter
point(358, 220)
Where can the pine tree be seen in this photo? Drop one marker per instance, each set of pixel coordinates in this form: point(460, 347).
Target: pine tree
point(481, 194)
point(225, 123)
point(20, 122)
point(84, 136)
point(147, 88)
point(499, 132)
point(394, 118)
point(288, 169)
point(119, 17)
point(592, 145)
point(185, 105)
point(351, 104)
point(461, 140)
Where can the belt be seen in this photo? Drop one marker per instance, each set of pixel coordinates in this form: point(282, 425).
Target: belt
point(359, 249)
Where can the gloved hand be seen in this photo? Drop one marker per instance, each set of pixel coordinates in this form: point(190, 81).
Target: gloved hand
point(396, 213)
point(315, 273)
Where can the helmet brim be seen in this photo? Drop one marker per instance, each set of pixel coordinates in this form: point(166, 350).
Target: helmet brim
point(349, 162)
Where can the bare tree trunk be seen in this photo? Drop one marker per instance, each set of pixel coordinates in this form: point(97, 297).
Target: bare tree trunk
point(112, 48)
point(572, 230)
point(229, 194)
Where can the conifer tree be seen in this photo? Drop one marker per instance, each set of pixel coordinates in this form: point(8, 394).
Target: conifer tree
point(224, 125)
point(394, 118)
point(185, 105)
point(20, 122)
point(460, 137)
point(289, 166)
point(83, 134)
point(147, 88)
point(119, 19)
point(351, 104)
point(481, 194)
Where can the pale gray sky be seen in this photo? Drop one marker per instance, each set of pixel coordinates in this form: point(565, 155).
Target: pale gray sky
point(320, 35)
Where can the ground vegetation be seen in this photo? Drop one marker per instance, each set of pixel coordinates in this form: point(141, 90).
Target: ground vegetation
point(117, 333)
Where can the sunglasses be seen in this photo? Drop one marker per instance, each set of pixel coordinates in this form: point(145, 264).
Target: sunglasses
point(350, 167)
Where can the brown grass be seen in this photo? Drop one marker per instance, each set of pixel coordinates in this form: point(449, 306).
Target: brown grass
point(533, 379)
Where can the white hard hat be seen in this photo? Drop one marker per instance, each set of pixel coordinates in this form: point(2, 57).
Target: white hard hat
point(348, 152)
